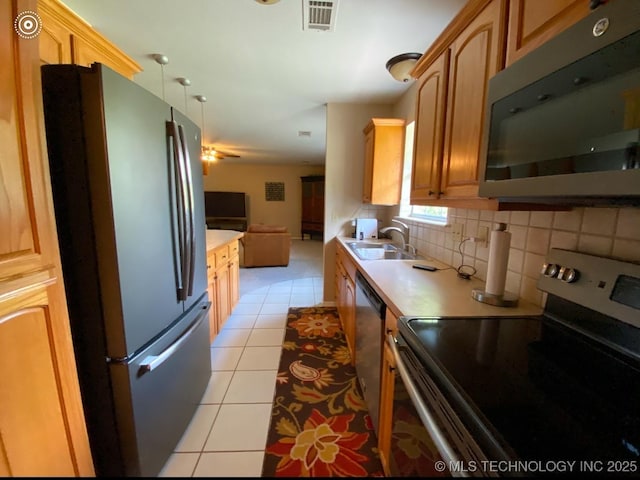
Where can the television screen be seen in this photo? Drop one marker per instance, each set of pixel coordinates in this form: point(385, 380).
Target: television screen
point(225, 204)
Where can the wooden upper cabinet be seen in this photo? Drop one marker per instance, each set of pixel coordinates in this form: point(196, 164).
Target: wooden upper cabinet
point(42, 426)
point(476, 55)
point(429, 133)
point(55, 44)
point(451, 98)
point(66, 38)
point(383, 160)
point(533, 22)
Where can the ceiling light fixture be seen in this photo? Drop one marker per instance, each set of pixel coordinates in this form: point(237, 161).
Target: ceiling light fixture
point(207, 154)
point(400, 66)
point(162, 60)
point(267, 2)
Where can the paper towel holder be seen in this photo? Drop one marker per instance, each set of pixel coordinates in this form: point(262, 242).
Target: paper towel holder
point(505, 299)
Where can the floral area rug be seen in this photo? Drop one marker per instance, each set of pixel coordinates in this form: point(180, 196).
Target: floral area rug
point(320, 426)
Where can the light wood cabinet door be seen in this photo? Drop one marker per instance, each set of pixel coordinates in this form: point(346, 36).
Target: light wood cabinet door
point(223, 272)
point(383, 161)
point(211, 292)
point(533, 22)
point(429, 134)
point(477, 54)
point(222, 295)
point(42, 426)
point(234, 282)
point(340, 280)
point(346, 298)
point(213, 311)
point(234, 274)
point(350, 316)
point(385, 422)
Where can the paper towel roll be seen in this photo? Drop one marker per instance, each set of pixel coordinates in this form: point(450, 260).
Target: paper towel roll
point(498, 259)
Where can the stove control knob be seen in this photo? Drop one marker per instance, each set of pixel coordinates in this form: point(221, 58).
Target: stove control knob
point(568, 275)
point(550, 269)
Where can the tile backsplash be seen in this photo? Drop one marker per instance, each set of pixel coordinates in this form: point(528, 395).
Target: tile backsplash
point(613, 232)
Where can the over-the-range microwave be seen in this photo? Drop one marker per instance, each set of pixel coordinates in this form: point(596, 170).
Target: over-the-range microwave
point(563, 122)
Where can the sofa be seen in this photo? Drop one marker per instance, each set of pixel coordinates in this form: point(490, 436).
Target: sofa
point(266, 246)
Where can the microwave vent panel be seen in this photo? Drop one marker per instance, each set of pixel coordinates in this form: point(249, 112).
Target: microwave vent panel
point(319, 15)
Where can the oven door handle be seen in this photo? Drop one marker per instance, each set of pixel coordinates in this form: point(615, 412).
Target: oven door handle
point(447, 453)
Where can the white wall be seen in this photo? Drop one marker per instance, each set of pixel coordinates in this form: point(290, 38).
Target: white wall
point(251, 179)
point(343, 176)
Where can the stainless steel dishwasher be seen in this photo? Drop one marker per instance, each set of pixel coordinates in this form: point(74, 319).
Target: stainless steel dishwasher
point(370, 314)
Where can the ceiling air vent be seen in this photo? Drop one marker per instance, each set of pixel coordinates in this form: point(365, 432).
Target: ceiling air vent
point(319, 15)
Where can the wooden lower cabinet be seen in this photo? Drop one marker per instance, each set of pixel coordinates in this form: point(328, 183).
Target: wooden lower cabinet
point(42, 424)
point(387, 381)
point(224, 276)
point(213, 315)
point(346, 297)
point(234, 274)
point(386, 407)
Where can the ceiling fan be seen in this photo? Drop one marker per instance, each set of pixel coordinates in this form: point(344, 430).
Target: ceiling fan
point(212, 154)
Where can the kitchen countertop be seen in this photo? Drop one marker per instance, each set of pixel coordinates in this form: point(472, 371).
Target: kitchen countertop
point(412, 292)
point(217, 238)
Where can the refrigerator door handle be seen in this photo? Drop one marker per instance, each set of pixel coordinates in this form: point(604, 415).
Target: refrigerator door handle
point(152, 362)
point(180, 173)
point(190, 212)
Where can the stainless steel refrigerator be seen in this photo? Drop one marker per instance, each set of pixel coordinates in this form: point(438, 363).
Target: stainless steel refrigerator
point(129, 207)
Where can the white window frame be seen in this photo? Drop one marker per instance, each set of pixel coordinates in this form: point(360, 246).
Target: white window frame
point(418, 213)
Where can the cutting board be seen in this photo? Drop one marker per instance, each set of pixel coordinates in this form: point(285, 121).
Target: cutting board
point(366, 228)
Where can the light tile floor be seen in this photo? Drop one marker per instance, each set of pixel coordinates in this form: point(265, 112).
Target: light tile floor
point(228, 433)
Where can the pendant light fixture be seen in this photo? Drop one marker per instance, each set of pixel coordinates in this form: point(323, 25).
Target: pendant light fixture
point(162, 60)
point(207, 153)
point(400, 66)
point(185, 82)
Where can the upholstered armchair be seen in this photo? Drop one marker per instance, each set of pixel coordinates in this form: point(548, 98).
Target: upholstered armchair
point(266, 246)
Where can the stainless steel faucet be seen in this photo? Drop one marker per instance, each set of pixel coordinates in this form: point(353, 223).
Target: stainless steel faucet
point(403, 229)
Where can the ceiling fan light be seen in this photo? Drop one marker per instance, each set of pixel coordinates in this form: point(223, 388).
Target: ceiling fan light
point(400, 66)
point(208, 154)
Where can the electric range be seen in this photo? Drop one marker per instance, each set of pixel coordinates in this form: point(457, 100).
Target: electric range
point(562, 386)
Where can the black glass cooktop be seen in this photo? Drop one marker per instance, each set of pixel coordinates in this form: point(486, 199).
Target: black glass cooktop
point(543, 390)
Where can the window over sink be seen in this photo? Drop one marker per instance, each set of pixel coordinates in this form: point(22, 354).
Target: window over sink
point(425, 213)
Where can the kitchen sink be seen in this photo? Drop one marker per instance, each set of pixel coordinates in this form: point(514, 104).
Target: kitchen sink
point(379, 251)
